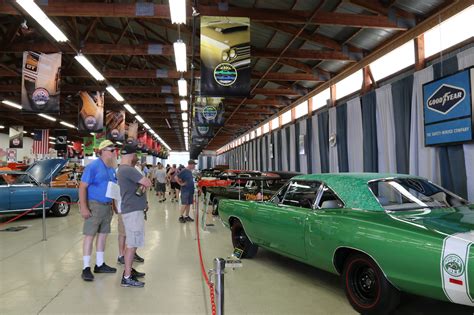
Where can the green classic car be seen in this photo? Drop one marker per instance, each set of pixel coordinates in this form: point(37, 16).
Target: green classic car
point(383, 233)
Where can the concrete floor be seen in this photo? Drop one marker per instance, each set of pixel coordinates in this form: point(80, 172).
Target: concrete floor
point(44, 277)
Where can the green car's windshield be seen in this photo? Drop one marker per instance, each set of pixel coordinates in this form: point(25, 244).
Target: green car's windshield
point(412, 193)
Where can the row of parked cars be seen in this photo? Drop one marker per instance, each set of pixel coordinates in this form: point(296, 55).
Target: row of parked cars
point(22, 190)
point(382, 233)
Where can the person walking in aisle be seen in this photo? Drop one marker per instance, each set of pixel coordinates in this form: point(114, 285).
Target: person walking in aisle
point(172, 173)
point(185, 180)
point(160, 180)
point(96, 208)
point(133, 187)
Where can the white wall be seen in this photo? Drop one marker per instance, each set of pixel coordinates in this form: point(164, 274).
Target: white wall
point(26, 151)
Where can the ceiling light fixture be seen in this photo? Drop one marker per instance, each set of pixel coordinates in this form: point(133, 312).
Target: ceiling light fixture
point(67, 124)
point(130, 109)
point(180, 55)
point(52, 138)
point(47, 117)
point(2, 127)
point(184, 105)
point(51, 142)
point(168, 123)
point(89, 67)
point(184, 116)
point(114, 93)
point(35, 11)
point(178, 11)
point(185, 124)
point(147, 126)
point(182, 87)
point(139, 118)
point(11, 104)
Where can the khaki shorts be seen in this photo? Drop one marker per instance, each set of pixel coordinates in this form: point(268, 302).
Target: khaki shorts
point(121, 228)
point(100, 220)
point(134, 223)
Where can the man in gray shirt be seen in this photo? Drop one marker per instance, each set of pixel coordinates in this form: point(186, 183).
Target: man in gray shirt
point(133, 187)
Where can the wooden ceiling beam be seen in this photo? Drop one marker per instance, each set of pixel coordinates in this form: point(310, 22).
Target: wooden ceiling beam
point(159, 11)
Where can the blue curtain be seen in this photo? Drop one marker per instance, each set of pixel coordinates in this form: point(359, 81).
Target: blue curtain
point(341, 125)
point(307, 149)
point(369, 129)
point(297, 147)
point(451, 157)
point(323, 129)
point(402, 91)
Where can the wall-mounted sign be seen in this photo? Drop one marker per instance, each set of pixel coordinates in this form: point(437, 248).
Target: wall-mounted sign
point(447, 107)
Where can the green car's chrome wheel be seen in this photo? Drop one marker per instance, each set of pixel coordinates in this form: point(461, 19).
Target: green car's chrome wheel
point(367, 289)
point(241, 241)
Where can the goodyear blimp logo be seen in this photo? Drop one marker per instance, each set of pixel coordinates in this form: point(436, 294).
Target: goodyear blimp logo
point(225, 74)
point(445, 98)
point(453, 265)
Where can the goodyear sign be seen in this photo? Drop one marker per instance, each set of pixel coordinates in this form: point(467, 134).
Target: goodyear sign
point(447, 108)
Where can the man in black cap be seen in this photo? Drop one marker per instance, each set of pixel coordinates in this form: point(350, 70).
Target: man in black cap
point(185, 180)
point(133, 187)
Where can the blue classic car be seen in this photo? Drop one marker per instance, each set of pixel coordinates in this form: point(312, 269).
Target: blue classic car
point(21, 191)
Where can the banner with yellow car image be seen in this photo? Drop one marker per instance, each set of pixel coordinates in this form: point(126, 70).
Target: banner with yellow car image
point(91, 111)
point(225, 56)
point(40, 91)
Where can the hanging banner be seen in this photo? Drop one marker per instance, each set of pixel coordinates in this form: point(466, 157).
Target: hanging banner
point(99, 137)
point(132, 134)
point(225, 56)
point(11, 155)
point(209, 111)
point(142, 140)
point(16, 137)
point(202, 131)
point(115, 124)
point(91, 111)
point(61, 140)
point(40, 82)
point(89, 146)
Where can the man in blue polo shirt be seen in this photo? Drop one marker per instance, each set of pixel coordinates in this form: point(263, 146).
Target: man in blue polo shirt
point(96, 208)
point(185, 180)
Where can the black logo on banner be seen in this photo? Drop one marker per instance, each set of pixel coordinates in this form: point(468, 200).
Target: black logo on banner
point(445, 98)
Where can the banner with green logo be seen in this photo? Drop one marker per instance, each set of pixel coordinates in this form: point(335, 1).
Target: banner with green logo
point(209, 111)
point(89, 146)
point(225, 56)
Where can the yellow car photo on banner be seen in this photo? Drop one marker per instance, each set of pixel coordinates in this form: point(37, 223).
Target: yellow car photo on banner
point(225, 56)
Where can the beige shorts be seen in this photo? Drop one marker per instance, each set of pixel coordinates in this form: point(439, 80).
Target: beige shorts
point(121, 228)
point(134, 223)
point(100, 220)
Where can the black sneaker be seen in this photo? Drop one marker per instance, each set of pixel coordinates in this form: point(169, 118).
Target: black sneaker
point(188, 219)
point(181, 220)
point(87, 274)
point(138, 258)
point(104, 269)
point(121, 260)
point(132, 282)
point(137, 274)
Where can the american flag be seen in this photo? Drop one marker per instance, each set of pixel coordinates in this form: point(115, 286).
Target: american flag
point(41, 141)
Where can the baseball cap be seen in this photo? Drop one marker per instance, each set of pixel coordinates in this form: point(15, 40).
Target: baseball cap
point(106, 143)
point(129, 148)
point(192, 162)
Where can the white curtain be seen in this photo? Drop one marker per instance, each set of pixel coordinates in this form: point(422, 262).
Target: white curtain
point(292, 151)
point(424, 161)
point(264, 154)
point(276, 151)
point(258, 159)
point(269, 154)
point(465, 60)
point(316, 156)
point(333, 158)
point(303, 159)
point(387, 157)
point(355, 136)
point(284, 150)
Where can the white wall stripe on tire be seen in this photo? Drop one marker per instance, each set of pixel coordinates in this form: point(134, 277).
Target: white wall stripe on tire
point(454, 267)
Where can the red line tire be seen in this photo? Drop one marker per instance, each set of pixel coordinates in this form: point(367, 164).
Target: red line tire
point(367, 288)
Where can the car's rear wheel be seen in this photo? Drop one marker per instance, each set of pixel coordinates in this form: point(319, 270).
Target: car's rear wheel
point(241, 241)
point(215, 206)
point(61, 207)
point(366, 287)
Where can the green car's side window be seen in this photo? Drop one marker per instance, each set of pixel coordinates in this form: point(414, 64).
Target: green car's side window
point(301, 194)
point(329, 200)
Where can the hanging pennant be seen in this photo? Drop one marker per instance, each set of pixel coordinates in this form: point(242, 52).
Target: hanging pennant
point(209, 111)
point(61, 140)
point(89, 145)
point(225, 56)
point(16, 137)
point(40, 82)
point(91, 111)
point(132, 134)
point(115, 124)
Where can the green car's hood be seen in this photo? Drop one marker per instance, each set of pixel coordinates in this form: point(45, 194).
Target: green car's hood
point(445, 221)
